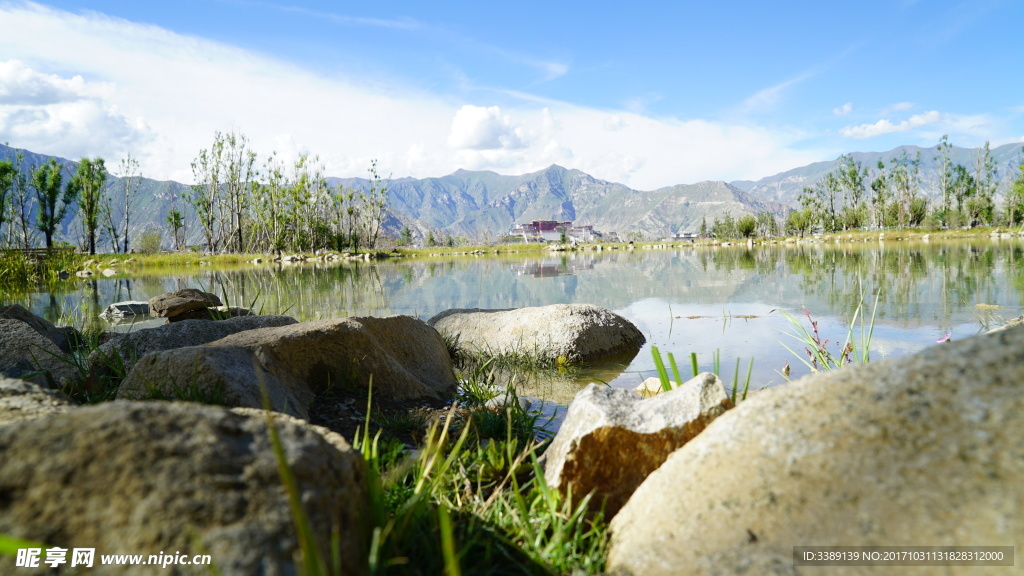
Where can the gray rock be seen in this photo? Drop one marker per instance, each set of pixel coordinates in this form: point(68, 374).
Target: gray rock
point(24, 400)
point(919, 450)
point(66, 337)
point(146, 477)
point(1010, 324)
point(25, 353)
point(226, 375)
point(406, 358)
point(506, 400)
point(173, 304)
point(126, 351)
point(612, 440)
point(575, 332)
point(128, 308)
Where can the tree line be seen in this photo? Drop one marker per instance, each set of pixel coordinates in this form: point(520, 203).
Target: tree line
point(238, 203)
point(854, 196)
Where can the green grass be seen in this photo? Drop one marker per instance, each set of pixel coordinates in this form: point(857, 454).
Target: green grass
point(819, 356)
point(736, 394)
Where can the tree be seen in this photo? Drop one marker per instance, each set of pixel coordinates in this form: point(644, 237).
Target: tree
point(374, 202)
point(21, 204)
point(239, 179)
point(904, 179)
point(746, 226)
point(405, 238)
point(272, 204)
point(431, 241)
point(799, 222)
point(205, 194)
point(53, 205)
point(130, 177)
point(767, 225)
point(703, 226)
point(851, 178)
point(823, 199)
point(176, 222)
point(87, 186)
point(7, 175)
point(1014, 203)
point(880, 193)
point(150, 241)
point(945, 177)
point(981, 207)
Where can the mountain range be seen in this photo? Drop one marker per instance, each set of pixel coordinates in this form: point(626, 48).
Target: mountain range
point(483, 205)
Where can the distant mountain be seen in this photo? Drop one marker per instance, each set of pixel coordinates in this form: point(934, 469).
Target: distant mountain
point(484, 205)
point(785, 187)
point(480, 204)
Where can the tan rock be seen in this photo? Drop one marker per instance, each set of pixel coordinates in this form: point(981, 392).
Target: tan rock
point(406, 358)
point(921, 450)
point(612, 440)
point(146, 477)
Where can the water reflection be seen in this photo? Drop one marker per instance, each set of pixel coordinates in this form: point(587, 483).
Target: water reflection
point(685, 299)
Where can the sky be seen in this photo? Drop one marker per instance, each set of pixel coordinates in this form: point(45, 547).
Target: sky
point(650, 95)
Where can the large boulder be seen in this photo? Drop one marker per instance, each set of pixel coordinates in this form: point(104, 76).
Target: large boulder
point(25, 353)
point(124, 352)
point(919, 450)
point(65, 337)
point(405, 358)
point(24, 400)
point(226, 375)
point(611, 439)
point(173, 304)
point(163, 477)
point(573, 332)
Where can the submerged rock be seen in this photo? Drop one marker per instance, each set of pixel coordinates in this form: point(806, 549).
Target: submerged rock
point(151, 477)
point(612, 440)
point(573, 332)
point(924, 449)
point(121, 310)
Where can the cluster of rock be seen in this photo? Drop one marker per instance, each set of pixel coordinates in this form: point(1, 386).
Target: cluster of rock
point(192, 478)
point(919, 450)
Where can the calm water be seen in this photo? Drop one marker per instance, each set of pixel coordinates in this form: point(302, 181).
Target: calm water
point(684, 299)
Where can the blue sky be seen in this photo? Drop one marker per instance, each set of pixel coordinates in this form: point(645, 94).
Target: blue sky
point(651, 95)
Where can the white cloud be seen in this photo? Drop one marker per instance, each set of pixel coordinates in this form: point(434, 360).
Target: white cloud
point(769, 97)
point(478, 128)
point(843, 110)
point(884, 126)
point(899, 107)
point(102, 86)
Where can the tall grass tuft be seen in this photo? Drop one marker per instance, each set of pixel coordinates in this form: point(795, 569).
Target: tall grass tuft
point(736, 394)
point(818, 356)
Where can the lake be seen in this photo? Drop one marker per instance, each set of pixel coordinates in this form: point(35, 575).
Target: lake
point(684, 298)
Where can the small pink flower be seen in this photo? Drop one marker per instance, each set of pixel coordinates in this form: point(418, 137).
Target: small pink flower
point(945, 338)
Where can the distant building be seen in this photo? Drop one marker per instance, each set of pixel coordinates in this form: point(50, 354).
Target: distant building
point(688, 236)
point(551, 231)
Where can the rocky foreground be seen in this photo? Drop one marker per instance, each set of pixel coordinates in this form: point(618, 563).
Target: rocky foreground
point(923, 450)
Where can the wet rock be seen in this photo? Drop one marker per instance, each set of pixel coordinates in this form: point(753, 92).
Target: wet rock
point(612, 440)
point(66, 337)
point(1010, 324)
point(126, 351)
point(24, 400)
point(126, 309)
point(145, 477)
point(173, 304)
point(921, 449)
point(573, 332)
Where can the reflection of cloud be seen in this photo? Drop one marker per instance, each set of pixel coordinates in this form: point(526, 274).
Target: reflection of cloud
point(843, 110)
point(886, 127)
